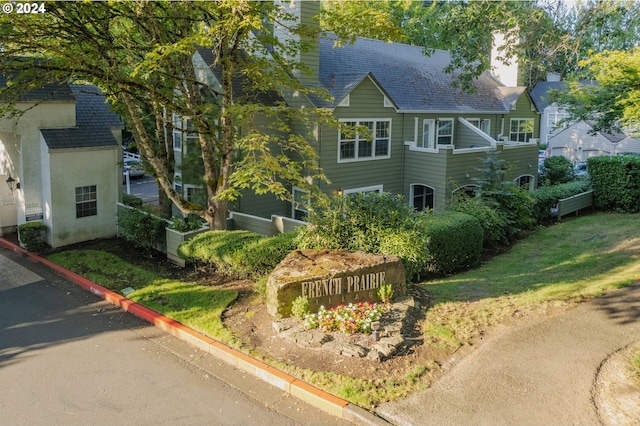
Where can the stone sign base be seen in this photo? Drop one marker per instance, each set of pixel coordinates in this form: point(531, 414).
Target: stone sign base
point(397, 321)
point(331, 278)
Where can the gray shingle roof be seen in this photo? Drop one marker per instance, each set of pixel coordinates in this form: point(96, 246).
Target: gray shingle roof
point(413, 81)
point(539, 92)
point(94, 121)
point(48, 92)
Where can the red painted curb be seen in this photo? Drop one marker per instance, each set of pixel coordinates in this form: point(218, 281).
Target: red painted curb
point(310, 394)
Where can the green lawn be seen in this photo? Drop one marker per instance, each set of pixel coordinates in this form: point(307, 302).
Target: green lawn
point(199, 307)
point(576, 259)
point(562, 264)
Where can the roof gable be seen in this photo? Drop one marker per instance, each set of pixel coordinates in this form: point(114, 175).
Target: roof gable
point(413, 80)
point(47, 92)
point(94, 121)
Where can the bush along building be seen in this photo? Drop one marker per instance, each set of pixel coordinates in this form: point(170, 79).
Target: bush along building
point(418, 135)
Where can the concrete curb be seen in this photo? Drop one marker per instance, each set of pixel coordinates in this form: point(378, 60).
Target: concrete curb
point(304, 391)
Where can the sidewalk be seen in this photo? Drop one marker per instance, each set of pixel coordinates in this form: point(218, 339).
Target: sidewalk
point(304, 391)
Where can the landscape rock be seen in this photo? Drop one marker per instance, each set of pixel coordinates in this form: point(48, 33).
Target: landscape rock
point(392, 338)
point(331, 278)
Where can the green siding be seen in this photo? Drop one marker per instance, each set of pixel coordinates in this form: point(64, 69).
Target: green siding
point(366, 102)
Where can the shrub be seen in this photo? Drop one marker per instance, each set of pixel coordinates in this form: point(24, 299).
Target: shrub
point(31, 235)
point(300, 307)
point(261, 256)
point(556, 170)
point(238, 253)
point(512, 203)
point(143, 229)
point(492, 222)
point(547, 197)
point(185, 224)
point(131, 200)
point(616, 182)
point(385, 293)
point(454, 242)
point(372, 222)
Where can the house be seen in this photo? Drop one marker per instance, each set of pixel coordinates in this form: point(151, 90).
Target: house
point(576, 140)
point(426, 137)
point(64, 156)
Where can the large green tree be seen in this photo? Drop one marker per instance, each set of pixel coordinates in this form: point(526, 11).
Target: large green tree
point(140, 54)
point(612, 99)
point(545, 35)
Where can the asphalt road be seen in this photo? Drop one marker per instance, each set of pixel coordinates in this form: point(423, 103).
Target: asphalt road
point(546, 372)
point(67, 357)
point(144, 188)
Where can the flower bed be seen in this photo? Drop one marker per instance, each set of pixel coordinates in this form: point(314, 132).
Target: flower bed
point(351, 318)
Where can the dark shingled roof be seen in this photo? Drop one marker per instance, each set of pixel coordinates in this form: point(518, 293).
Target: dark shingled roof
point(94, 121)
point(48, 92)
point(411, 79)
point(541, 91)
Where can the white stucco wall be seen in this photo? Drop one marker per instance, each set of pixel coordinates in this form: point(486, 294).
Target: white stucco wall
point(86, 167)
point(20, 154)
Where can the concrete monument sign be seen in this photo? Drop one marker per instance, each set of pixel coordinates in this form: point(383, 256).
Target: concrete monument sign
point(331, 278)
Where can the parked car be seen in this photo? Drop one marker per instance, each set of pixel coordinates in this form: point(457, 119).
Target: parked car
point(134, 167)
point(580, 169)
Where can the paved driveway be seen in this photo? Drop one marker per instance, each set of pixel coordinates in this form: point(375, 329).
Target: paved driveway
point(542, 373)
point(67, 357)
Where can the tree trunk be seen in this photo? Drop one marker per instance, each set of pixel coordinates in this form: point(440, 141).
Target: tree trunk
point(166, 206)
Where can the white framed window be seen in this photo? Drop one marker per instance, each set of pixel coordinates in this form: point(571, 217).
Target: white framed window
point(190, 135)
point(525, 182)
point(554, 119)
point(177, 132)
point(195, 194)
point(299, 204)
point(364, 140)
point(177, 182)
point(521, 129)
point(483, 124)
point(445, 131)
point(363, 190)
point(86, 201)
point(469, 190)
point(428, 134)
point(422, 197)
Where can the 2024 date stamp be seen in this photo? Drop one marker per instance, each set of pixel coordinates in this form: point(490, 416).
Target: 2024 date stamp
point(26, 8)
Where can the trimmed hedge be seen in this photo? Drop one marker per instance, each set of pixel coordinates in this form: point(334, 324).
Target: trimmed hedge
point(31, 234)
point(616, 182)
point(143, 229)
point(454, 242)
point(547, 197)
point(238, 253)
